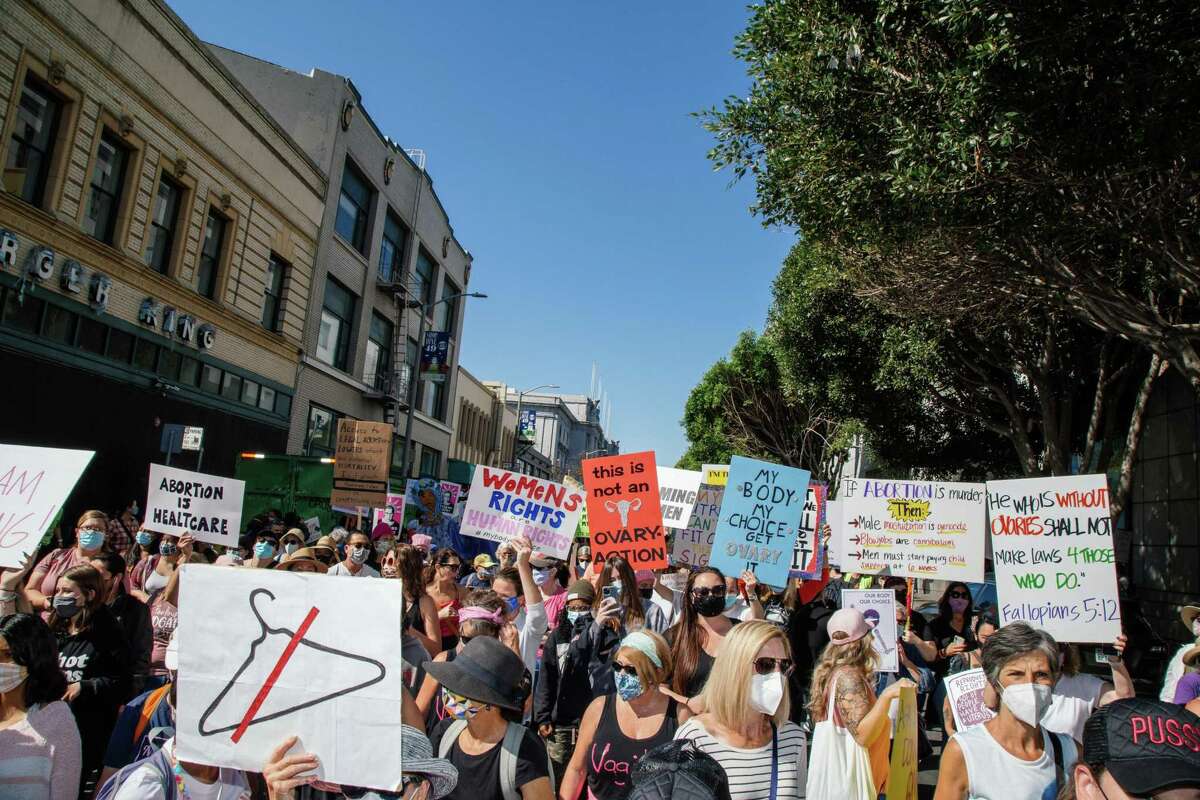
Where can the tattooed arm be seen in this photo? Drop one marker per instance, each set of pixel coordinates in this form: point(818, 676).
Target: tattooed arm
point(865, 720)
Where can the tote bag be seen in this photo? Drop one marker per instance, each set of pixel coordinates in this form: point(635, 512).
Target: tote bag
point(840, 768)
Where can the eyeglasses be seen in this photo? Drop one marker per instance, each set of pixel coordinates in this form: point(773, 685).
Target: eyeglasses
point(628, 669)
point(959, 595)
point(765, 666)
point(702, 592)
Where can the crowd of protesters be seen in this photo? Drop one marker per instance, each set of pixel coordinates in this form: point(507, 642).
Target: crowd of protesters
point(531, 677)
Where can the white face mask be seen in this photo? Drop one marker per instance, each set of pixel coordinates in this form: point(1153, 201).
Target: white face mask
point(1027, 701)
point(766, 692)
point(11, 676)
point(1196, 627)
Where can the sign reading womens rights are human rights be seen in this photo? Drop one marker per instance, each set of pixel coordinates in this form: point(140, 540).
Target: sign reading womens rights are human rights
point(760, 515)
point(1052, 547)
point(623, 509)
point(503, 505)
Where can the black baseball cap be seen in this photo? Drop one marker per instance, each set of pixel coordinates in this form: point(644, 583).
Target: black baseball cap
point(1146, 745)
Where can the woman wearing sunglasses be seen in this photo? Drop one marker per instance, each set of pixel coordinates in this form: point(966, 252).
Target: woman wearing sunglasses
point(447, 594)
point(697, 637)
point(620, 728)
point(953, 633)
point(745, 725)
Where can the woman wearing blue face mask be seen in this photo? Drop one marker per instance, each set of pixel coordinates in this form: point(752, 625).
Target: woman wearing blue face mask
point(90, 533)
point(618, 729)
point(140, 560)
point(154, 578)
point(265, 546)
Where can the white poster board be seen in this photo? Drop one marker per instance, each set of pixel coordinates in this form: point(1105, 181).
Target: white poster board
point(677, 490)
point(208, 507)
point(1052, 548)
point(692, 546)
point(965, 691)
point(833, 518)
point(35, 482)
point(503, 504)
point(914, 529)
point(267, 654)
point(879, 607)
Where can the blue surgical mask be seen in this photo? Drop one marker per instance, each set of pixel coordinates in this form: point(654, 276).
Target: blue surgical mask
point(575, 616)
point(540, 576)
point(628, 686)
point(264, 550)
point(730, 599)
point(90, 539)
point(144, 539)
point(513, 603)
point(166, 548)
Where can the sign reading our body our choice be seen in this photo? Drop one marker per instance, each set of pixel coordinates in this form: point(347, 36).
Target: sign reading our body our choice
point(692, 546)
point(624, 513)
point(502, 505)
point(182, 502)
point(1052, 547)
point(760, 514)
point(35, 482)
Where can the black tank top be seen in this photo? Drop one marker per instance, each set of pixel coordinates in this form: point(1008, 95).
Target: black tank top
point(437, 709)
point(614, 756)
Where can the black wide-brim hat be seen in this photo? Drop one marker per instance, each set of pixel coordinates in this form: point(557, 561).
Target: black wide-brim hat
point(485, 670)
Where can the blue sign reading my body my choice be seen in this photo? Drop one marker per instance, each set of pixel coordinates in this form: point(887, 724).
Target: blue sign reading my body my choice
point(760, 515)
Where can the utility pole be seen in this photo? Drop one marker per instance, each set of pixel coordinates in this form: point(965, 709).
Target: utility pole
point(520, 400)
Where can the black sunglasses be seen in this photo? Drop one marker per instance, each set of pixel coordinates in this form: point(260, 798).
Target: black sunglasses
point(355, 792)
point(765, 665)
point(704, 591)
point(960, 595)
point(628, 669)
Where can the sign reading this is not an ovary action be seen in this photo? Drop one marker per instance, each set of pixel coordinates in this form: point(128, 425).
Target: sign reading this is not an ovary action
point(914, 529)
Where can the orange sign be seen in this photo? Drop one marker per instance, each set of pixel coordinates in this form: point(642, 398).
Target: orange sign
point(623, 511)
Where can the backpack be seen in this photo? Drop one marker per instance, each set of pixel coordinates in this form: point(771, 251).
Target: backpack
point(158, 760)
point(679, 770)
point(148, 709)
point(508, 756)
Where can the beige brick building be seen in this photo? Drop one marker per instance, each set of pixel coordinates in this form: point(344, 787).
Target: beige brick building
point(485, 429)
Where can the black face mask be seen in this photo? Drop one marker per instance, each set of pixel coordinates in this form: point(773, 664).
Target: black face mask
point(711, 606)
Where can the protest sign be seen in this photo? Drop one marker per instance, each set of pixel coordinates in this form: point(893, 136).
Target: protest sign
point(902, 776)
point(390, 518)
point(806, 555)
point(208, 507)
point(879, 607)
point(502, 505)
point(760, 514)
point(34, 484)
point(623, 510)
point(914, 529)
point(1052, 548)
point(965, 691)
point(714, 474)
point(811, 588)
point(581, 529)
point(833, 518)
point(266, 654)
point(361, 464)
point(677, 489)
point(693, 545)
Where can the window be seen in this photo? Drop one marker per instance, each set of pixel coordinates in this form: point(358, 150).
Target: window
point(378, 365)
point(321, 437)
point(163, 223)
point(250, 392)
point(168, 364)
point(353, 208)
point(59, 324)
point(266, 399)
point(189, 371)
point(431, 462)
point(92, 335)
point(337, 318)
point(30, 150)
point(108, 182)
point(145, 356)
point(408, 370)
point(210, 254)
point(433, 399)
point(273, 293)
point(422, 280)
point(210, 379)
point(446, 315)
point(391, 250)
point(120, 346)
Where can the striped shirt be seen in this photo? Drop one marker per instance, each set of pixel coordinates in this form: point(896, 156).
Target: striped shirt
point(749, 768)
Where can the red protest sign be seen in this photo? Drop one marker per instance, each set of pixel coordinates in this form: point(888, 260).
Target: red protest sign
point(623, 508)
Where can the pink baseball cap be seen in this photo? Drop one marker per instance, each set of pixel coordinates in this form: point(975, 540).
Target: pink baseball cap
point(422, 541)
point(847, 625)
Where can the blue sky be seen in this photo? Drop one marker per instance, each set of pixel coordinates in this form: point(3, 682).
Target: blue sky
point(560, 139)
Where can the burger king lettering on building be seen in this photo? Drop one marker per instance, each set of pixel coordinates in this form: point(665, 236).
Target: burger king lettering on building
point(502, 505)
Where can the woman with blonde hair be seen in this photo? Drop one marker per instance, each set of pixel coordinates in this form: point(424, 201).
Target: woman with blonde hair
point(745, 726)
point(617, 730)
point(852, 724)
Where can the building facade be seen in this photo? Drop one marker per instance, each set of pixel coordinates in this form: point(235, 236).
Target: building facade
point(385, 244)
point(485, 429)
point(158, 233)
point(568, 429)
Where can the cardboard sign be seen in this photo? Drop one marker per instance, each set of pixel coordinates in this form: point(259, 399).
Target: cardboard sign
point(361, 464)
point(265, 654)
point(833, 518)
point(390, 518)
point(1052, 548)
point(914, 529)
point(623, 510)
point(715, 474)
point(879, 607)
point(35, 482)
point(677, 490)
point(902, 777)
point(692, 546)
point(208, 507)
point(965, 691)
point(502, 505)
point(760, 515)
point(806, 555)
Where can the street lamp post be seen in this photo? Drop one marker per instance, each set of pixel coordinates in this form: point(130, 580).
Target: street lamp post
point(413, 379)
point(520, 399)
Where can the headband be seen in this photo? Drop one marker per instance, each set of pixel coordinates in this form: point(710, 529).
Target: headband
point(475, 612)
point(640, 641)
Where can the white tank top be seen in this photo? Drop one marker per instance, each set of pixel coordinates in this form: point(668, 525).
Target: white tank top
point(993, 773)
